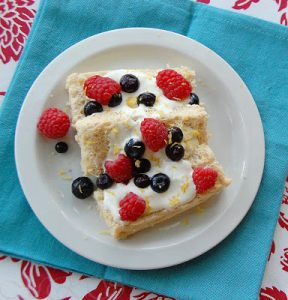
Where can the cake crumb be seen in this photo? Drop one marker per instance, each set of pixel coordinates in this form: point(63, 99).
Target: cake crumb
point(156, 160)
point(199, 209)
point(90, 142)
point(195, 133)
point(115, 130)
point(185, 222)
point(63, 175)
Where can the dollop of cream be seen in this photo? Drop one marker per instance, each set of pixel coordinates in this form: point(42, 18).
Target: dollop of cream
point(182, 188)
point(147, 84)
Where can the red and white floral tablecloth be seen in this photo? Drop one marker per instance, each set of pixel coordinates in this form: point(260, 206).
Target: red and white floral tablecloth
point(25, 280)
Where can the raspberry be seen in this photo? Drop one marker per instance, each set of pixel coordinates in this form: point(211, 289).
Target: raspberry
point(154, 134)
point(173, 85)
point(121, 169)
point(101, 88)
point(204, 178)
point(131, 207)
point(53, 123)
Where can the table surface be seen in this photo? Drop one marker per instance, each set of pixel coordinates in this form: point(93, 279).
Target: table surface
point(26, 280)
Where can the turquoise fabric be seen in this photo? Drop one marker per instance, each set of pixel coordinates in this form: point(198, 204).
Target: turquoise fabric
point(257, 50)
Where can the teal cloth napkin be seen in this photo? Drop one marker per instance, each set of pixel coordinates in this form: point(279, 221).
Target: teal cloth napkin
point(258, 52)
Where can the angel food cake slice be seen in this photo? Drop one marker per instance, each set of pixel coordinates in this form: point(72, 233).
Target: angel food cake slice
point(134, 92)
point(149, 170)
point(93, 133)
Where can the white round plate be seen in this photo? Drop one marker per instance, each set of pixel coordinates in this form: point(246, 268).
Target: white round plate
point(236, 138)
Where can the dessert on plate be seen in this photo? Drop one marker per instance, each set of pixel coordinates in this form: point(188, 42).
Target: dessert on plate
point(143, 135)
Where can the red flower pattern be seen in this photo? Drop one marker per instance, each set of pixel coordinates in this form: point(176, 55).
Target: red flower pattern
point(272, 250)
point(284, 260)
point(15, 22)
point(151, 296)
point(282, 4)
point(107, 290)
point(283, 221)
point(37, 279)
point(272, 294)
point(284, 21)
point(83, 277)
point(244, 4)
point(204, 1)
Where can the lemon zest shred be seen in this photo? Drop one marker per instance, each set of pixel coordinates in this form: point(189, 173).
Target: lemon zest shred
point(185, 185)
point(116, 149)
point(137, 163)
point(174, 201)
point(148, 208)
point(131, 102)
point(111, 193)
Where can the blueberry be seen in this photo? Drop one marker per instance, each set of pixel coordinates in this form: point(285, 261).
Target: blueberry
point(142, 165)
point(160, 183)
point(129, 83)
point(134, 149)
point(115, 100)
point(142, 180)
point(194, 99)
point(176, 134)
point(148, 99)
point(175, 151)
point(104, 181)
point(92, 107)
point(61, 147)
point(82, 187)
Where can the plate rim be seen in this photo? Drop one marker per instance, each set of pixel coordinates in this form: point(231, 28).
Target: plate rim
point(160, 263)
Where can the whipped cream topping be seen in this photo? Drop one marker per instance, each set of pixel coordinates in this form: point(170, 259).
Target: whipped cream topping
point(147, 84)
point(181, 189)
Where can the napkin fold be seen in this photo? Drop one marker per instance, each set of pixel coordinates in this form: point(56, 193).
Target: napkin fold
point(256, 49)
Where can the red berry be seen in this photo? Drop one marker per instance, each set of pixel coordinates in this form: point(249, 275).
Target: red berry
point(204, 178)
point(121, 169)
point(154, 134)
point(131, 207)
point(53, 123)
point(173, 85)
point(101, 88)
